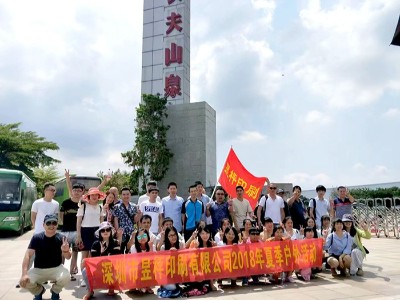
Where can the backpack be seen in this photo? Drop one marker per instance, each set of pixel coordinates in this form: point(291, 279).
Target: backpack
point(314, 208)
point(84, 210)
point(262, 208)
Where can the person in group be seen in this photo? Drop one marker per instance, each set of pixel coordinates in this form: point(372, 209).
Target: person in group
point(278, 236)
point(310, 222)
point(150, 185)
point(319, 206)
point(306, 273)
point(245, 233)
point(144, 223)
point(338, 244)
point(297, 209)
point(143, 243)
point(241, 209)
point(154, 209)
point(358, 252)
point(114, 190)
point(343, 203)
point(325, 226)
point(104, 245)
point(273, 206)
point(230, 236)
point(89, 216)
point(68, 211)
point(171, 242)
point(219, 209)
point(192, 211)
point(206, 217)
point(44, 206)
point(268, 229)
point(47, 247)
point(290, 232)
point(160, 238)
point(108, 206)
point(204, 240)
point(126, 216)
point(254, 237)
point(281, 193)
point(225, 223)
point(172, 206)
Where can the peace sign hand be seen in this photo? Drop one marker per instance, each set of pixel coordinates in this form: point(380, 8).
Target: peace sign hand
point(65, 245)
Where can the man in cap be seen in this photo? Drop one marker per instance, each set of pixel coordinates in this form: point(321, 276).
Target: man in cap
point(48, 247)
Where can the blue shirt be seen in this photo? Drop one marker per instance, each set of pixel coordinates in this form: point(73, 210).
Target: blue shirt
point(172, 208)
point(218, 212)
point(124, 221)
point(193, 210)
point(339, 246)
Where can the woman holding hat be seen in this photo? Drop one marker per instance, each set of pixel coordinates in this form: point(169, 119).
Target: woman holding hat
point(105, 245)
point(358, 252)
point(90, 215)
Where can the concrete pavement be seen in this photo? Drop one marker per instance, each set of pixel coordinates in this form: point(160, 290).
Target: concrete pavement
point(381, 279)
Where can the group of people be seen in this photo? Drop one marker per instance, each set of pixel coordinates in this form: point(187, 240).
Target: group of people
point(102, 224)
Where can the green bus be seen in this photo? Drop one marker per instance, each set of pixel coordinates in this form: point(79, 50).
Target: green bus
point(17, 194)
point(62, 191)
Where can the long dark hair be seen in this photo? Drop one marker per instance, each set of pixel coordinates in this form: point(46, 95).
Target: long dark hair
point(314, 227)
point(352, 230)
point(111, 205)
point(235, 240)
point(209, 241)
point(137, 244)
point(167, 243)
point(337, 220)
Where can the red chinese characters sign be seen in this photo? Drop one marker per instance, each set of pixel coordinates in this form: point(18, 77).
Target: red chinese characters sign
point(234, 174)
point(158, 268)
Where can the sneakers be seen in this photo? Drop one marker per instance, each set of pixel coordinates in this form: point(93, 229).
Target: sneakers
point(54, 296)
point(83, 283)
point(245, 281)
point(39, 296)
point(290, 279)
point(360, 272)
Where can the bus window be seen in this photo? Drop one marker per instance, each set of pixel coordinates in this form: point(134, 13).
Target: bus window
point(10, 193)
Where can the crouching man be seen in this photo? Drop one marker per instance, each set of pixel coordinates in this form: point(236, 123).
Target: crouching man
point(47, 248)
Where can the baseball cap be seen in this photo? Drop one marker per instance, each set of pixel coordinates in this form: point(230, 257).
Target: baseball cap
point(50, 218)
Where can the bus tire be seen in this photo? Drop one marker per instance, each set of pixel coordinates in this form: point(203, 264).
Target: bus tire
point(22, 226)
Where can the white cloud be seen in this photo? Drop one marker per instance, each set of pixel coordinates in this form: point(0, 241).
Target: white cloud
point(250, 137)
point(308, 181)
point(317, 117)
point(392, 113)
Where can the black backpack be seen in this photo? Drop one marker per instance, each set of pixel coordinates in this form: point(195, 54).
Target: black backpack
point(262, 208)
point(314, 208)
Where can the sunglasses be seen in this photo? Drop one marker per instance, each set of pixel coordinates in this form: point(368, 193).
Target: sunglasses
point(272, 188)
point(220, 194)
point(253, 233)
point(51, 223)
point(105, 230)
point(143, 236)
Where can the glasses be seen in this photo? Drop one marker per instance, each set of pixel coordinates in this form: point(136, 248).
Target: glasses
point(51, 190)
point(272, 188)
point(143, 236)
point(105, 230)
point(171, 235)
point(51, 223)
point(220, 194)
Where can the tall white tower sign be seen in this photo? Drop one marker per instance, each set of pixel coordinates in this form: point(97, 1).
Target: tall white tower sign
point(166, 49)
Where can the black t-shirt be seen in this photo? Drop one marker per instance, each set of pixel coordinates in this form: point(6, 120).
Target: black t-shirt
point(47, 250)
point(297, 211)
point(113, 249)
point(69, 208)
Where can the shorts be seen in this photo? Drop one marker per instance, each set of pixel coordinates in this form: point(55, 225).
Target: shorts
point(332, 255)
point(71, 239)
point(88, 238)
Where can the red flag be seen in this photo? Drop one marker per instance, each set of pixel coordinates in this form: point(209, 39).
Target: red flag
point(234, 174)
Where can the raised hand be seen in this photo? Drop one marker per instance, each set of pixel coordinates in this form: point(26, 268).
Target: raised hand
point(120, 232)
point(66, 173)
point(301, 230)
point(65, 245)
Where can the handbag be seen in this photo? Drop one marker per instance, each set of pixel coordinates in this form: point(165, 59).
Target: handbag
point(366, 250)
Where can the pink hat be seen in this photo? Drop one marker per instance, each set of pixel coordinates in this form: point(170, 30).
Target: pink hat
point(94, 191)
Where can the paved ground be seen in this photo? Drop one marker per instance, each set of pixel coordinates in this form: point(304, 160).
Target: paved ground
point(381, 280)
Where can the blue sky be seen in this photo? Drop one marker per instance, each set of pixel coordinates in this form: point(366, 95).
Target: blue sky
point(305, 91)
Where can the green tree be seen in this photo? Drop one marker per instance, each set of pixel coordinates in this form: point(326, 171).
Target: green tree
point(24, 151)
point(119, 179)
point(150, 156)
point(43, 175)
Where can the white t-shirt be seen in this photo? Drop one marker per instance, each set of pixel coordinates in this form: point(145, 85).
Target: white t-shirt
point(323, 207)
point(42, 208)
point(272, 208)
point(145, 197)
point(153, 210)
point(240, 211)
point(92, 215)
